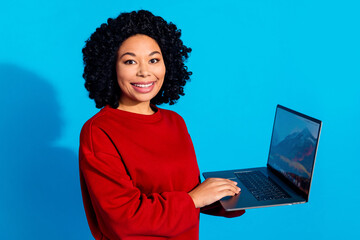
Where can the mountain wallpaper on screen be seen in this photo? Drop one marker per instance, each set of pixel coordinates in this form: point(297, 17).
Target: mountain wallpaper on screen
point(294, 157)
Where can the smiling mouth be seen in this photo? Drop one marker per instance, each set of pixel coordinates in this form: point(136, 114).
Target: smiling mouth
point(141, 85)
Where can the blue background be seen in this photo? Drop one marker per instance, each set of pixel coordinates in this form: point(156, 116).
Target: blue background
point(247, 57)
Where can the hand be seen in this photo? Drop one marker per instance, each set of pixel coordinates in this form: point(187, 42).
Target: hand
point(212, 190)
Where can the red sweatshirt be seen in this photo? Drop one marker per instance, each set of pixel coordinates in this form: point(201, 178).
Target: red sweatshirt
point(135, 172)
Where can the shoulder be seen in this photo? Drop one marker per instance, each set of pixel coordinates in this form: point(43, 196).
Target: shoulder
point(94, 133)
point(97, 121)
point(170, 115)
point(173, 119)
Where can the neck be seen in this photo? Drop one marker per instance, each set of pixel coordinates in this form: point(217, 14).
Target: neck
point(140, 108)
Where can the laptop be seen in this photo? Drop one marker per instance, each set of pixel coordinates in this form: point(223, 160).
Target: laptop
point(286, 179)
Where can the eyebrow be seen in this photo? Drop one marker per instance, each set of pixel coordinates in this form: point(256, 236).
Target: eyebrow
point(134, 55)
point(154, 52)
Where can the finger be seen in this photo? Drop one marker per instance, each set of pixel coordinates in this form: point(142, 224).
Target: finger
point(220, 181)
point(222, 184)
point(215, 180)
point(230, 181)
point(225, 193)
point(227, 186)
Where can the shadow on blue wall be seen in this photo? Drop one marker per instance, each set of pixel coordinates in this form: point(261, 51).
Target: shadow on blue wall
point(40, 192)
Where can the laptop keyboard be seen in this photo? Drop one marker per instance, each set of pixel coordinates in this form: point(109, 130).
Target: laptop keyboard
point(261, 187)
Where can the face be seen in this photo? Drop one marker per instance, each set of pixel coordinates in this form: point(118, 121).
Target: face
point(140, 70)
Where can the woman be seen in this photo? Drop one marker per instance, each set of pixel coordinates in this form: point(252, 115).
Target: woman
point(138, 170)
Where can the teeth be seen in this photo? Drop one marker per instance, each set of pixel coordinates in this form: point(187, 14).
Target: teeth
point(143, 85)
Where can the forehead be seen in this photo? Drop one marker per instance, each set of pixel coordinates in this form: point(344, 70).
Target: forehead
point(139, 44)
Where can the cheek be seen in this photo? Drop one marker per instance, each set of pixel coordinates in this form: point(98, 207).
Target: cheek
point(160, 72)
point(123, 75)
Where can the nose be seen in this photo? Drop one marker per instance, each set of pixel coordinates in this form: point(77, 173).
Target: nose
point(143, 70)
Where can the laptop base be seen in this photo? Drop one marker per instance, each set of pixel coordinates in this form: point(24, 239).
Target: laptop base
point(245, 200)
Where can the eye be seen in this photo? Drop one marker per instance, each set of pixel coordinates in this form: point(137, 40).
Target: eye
point(129, 62)
point(154, 60)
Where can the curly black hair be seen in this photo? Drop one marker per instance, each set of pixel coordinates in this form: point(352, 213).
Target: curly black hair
point(100, 56)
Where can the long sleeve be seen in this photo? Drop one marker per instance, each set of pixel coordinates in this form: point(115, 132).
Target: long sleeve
point(116, 206)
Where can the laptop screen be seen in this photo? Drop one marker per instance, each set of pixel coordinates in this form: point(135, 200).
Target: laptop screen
point(293, 146)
